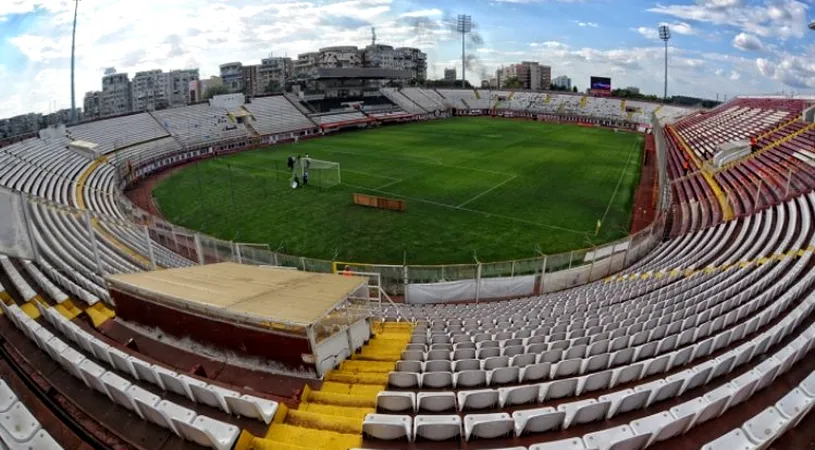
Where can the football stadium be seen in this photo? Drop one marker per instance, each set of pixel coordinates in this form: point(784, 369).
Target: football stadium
point(361, 265)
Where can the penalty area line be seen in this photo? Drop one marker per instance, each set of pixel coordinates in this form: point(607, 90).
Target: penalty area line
point(488, 191)
point(475, 211)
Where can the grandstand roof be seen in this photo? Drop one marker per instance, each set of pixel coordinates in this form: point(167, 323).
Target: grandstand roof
point(277, 295)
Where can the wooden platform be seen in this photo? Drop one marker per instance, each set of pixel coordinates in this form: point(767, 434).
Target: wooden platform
point(267, 295)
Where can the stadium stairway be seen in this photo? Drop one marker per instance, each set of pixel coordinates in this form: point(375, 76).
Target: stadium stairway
point(727, 209)
point(331, 418)
point(622, 106)
point(769, 146)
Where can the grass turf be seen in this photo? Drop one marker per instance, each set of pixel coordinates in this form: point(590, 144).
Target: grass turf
point(492, 188)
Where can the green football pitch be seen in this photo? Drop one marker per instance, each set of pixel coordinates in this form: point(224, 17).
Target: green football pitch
point(491, 189)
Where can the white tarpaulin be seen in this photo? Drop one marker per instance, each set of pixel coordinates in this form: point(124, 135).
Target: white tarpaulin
point(14, 239)
point(465, 290)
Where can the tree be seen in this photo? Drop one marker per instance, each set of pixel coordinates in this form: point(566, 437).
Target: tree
point(574, 88)
point(513, 83)
point(215, 90)
point(273, 87)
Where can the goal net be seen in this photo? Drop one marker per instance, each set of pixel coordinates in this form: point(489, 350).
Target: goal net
point(320, 173)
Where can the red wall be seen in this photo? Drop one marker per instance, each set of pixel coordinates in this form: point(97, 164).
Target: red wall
point(284, 348)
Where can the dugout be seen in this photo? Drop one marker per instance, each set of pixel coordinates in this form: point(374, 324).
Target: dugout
point(297, 319)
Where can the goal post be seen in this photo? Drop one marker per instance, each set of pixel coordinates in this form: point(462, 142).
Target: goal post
point(321, 173)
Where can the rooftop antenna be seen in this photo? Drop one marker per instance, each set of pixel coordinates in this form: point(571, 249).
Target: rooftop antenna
point(373, 36)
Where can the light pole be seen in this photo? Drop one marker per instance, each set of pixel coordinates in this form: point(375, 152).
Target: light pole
point(665, 35)
point(464, 25)
point(812, 25)
point(73, 49)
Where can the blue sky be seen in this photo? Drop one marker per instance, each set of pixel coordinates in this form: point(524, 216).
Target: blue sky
point(724, 47)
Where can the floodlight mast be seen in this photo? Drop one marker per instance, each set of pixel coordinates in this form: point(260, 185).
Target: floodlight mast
point(464, 25)
point(812, 25)
point(665, 35)
point(73, 49)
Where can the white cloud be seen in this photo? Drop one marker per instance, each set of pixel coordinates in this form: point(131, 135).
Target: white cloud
point(795, 71)
point(747, 42)
point(435, 12)
point(735, 76)
point(719, 72)
point(586, 24)
point(648, 32)
point(781, 18)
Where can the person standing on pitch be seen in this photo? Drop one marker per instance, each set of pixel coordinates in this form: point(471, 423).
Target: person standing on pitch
point(305, 178)
point(290, 163)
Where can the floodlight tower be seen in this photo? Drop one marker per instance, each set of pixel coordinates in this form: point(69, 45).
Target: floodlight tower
point(73, 48)
point(812, 25)
point(665, 35)
point(464, 25)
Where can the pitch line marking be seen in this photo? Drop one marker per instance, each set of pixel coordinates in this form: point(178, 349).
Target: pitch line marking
point(619, 181)
point(475, 211)
point(417, 159)
point(396, 181)
point(488, 191)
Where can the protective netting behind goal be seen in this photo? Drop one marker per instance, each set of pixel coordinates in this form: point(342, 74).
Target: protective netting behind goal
point(319, 173)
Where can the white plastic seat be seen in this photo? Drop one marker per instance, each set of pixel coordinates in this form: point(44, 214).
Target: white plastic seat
point(557, 389)
point(438, 365)
point(101, 351)
point(593, 382)
point(795, 406)
point(395, 401)
point(564, 444)
point(768, 369)
point(41, 441)
point(466, 364)
point(54, 347)
point(567, 367)
point(116, 388)
point(437, 380)
point(18, 423)
point(250, 406)
point(405, 380)
point(763, 428)
point(92, 375)
point(70, 360)
point(435, 401)
point(808, 385)
point(743, 387)
point(624, 401)
point(134, 393)
point(170, 381)
point(518, 395)
point(503, 375)
point(437, 428)
point(616, 438)
point(121, 361)
point(487, 426)
point(188, 381)
point(8, 397)
point(165, 414)
point(735, 439)
point(536, 372)
point(145, 371)
point(662, 426)
point(409, 366)
point(208, 432)
point(477, 399)
point(466, 379)
point(626, 374)
point(583, 411)
point(537, 420)
point(388, 427)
